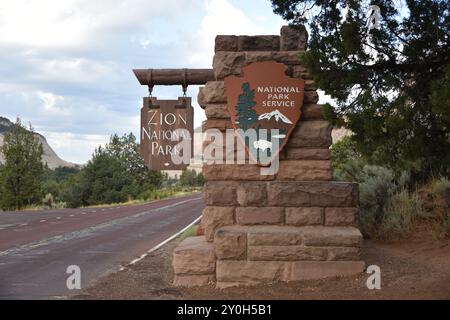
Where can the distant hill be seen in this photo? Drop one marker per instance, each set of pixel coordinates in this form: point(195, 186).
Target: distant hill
point(50, 157)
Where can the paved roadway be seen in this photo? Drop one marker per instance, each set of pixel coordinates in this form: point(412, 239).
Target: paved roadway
point(37, 247)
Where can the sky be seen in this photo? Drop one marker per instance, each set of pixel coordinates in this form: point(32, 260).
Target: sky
point(66, 66)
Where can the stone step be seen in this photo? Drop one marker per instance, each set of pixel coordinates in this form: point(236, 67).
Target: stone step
point(243, 272)
point(287, 243)
point(194, 262)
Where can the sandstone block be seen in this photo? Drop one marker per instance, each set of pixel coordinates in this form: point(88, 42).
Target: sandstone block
point(312, 112)
point(310, 85)
point(286, 253)
point(309, 270)
point(343, 253)
point(234, 172)
point(259, 43)
point(315, 194)
point(195, 280)
point(331, 236)
point(248, 272)
point(212, 92)
point(304, 216)
point(220, 124)
point(228, 63)
point(217, 153)
point(230, 243)
point(300, 72)
point(315, 134)
point(259, 215)
point(286, 57)
point(217, 111)
point(293, 38)
point(215, 217)
point(306, 154)
point(311, 97)
point(252, 194)
point(340, 216)
point(230, 272)
point(305, 170)
point(226, 43)
point(220, 193)
point(194, 256)
point(274, 236)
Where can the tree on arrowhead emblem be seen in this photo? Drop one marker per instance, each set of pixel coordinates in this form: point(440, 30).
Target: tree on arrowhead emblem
point(246, 115)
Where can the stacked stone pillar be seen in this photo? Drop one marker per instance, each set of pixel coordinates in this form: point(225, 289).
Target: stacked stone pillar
point(296, 224)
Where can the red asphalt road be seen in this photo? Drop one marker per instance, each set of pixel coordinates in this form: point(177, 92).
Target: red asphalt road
point(37, 247)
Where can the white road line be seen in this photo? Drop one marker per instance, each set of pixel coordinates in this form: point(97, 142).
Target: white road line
point(57, 218)
point(159, 245)
point(83, 213)
point(72, 215)
point(87, 231)
point(43, 221)
point(24, 224)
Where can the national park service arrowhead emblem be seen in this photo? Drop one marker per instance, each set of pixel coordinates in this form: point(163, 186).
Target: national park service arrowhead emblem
point(264, 106)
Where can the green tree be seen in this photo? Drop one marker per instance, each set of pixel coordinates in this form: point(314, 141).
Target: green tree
point(126, 149)
point(391, 83)
point(247, 116)
point(116, 173)
point(106, 179)
point(200, 179)
point(188, 178)
point(22, 172)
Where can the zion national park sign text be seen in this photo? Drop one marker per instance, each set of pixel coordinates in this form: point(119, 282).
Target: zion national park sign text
point(161, 121)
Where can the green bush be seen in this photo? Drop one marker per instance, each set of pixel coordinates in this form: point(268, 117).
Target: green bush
point(400, 215)
point(378, 192)
point(440, 196)
point(386, 208)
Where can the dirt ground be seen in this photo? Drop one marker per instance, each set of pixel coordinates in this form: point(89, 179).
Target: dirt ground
point(416, 268)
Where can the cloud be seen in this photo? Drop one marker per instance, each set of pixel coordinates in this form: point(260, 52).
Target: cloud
point(223, 18)
point(51, 103)
point(66, 66)
point(76, 147)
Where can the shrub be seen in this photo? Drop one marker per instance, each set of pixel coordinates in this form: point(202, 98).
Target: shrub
point(400, 214)
point(386, 208)
point(50, 203)
point(440, 196)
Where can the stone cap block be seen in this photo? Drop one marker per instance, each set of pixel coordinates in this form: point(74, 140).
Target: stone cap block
point(293, 38)
point(247, 43)
point(194, 256)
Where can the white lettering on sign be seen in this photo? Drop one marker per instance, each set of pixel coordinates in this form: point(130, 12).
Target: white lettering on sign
point(278, 96)
point(278, 90)
point(159, 131)
point(167, 118)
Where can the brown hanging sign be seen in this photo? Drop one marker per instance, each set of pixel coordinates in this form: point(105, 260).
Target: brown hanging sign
point(159, 120)
point(264, 98)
